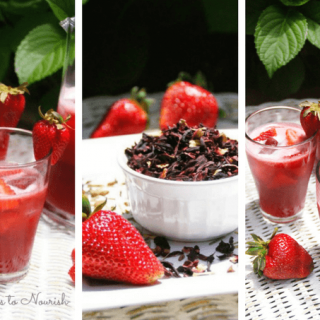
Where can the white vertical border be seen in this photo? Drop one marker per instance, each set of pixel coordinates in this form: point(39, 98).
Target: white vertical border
point(241, 129)
point(78, 167)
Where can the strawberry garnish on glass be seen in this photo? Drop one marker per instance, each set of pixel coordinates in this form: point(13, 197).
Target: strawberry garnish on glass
point(310, 117)
point(280, 257)
point(50, 134)
point(125, 116)
point(12, 103)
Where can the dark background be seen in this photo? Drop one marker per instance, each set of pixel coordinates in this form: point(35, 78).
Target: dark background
point(147, 43)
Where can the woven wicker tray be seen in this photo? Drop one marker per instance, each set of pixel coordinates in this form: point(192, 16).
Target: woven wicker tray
point(47, 278)
point(285, 299)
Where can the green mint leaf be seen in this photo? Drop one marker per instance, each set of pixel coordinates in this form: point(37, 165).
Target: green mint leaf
point(62, 8)
point(314, 32)
point(280, 35)
point(253, 11)
point(41, 53)
point(84, 1)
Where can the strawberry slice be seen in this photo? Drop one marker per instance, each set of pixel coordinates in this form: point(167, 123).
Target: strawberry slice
point(6, 173)
point(293, 137)
point(7, 204)
point(266, 134)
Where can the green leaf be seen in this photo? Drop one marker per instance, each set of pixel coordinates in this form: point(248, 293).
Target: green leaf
point(253, 12)
point(5, 51)
point(23, 7)
point(280, 35)
point(62, 8)
point(41, 53)
point(28, 23)
point(314, 32)
point(1, 15)
point(312, 11)
point(84, 1)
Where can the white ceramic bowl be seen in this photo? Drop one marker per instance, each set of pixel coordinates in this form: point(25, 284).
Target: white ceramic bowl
point(183, 211)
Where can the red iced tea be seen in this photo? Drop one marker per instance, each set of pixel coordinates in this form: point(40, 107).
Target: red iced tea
point(281, 165)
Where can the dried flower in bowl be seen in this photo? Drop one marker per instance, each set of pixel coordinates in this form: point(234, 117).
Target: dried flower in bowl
point(184, 153)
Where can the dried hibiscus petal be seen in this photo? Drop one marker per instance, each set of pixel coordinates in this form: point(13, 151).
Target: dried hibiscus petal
point(182, 153)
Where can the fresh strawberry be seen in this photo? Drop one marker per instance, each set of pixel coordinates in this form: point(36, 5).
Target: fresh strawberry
point(7, 204)
point(113, 249)
point(266, 134)
point(293, 137)
point(72, 273)
point(310, 117)
point(12, 102)
point(51, 133)
point(183, 100)
point(281, 257)
point(125, 116)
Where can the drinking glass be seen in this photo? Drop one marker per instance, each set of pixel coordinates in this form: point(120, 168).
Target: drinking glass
point(60, 202)
point(23, 189)
point(281, 173)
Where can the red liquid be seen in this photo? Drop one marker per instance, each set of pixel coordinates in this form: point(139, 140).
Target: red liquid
point(281, 176)
point(61, 190)
point(18, 226)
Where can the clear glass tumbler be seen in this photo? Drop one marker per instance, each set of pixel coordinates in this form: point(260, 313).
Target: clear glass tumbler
point(281, 173)
point(23, 189)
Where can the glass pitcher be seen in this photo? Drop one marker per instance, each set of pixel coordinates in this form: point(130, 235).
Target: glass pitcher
point(60, 202)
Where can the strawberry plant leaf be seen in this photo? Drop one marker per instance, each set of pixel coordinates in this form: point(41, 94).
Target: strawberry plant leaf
point(312, 12)
point(23, 7)
point(41, 53)
point(280, 35)
point(28, 23)
point(253, 12)
point(62, 8)
point(314, 32)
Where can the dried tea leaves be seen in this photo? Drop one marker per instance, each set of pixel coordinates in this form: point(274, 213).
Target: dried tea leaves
point(182, 153)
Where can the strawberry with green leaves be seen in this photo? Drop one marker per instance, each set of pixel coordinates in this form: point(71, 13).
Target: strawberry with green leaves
point(125, 116)
point(12, 103)
point(113, 249)
point(280, 257)
point(50, 134)
point(310, 117)
point(191, 102)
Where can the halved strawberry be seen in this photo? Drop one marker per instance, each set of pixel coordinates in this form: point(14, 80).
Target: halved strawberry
point(7, 203)
point(266, 134)
point(293, 137)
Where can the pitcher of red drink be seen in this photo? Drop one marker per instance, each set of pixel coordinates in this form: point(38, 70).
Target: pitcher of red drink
point(60, 202)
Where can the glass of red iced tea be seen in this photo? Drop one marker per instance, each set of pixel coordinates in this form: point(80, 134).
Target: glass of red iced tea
point(281, 159)
point(23, 189)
